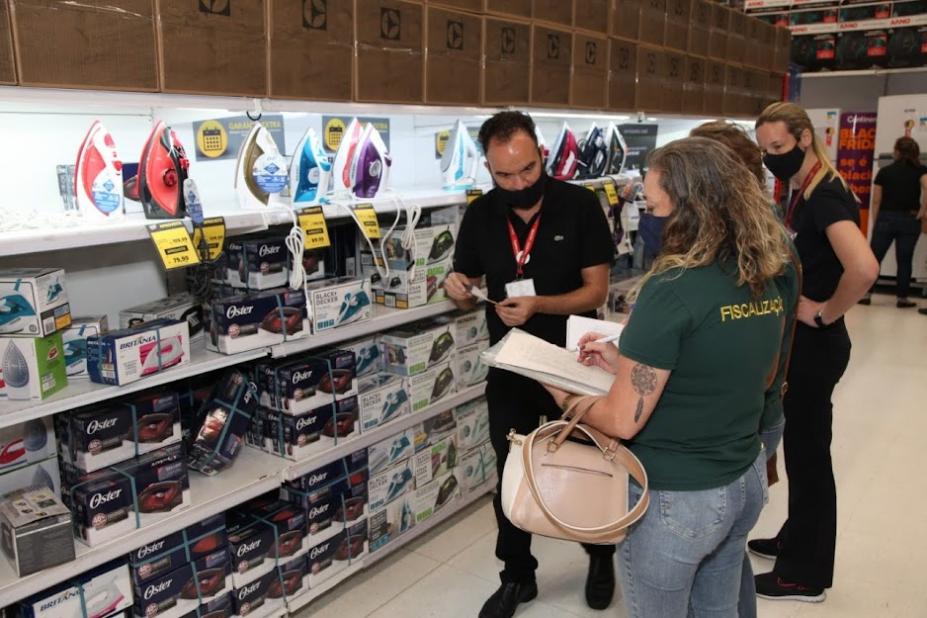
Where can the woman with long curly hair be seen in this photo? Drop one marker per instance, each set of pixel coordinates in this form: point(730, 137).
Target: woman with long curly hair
point(699, 352)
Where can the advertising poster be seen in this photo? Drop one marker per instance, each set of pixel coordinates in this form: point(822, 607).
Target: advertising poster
point(855, 150)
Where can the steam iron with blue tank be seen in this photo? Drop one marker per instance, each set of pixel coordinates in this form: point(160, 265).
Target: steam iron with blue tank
point(370, 167)
point(617, 150)
point(260, 170)
point(310, 171)
point(13, 309)
point(98, 176)
point(460, 160)
point(162, 169)
point(344, 158)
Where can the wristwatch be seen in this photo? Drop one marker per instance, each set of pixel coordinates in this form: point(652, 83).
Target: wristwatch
point(819, 319)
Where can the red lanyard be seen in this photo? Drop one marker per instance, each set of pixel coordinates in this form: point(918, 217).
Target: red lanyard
point(804, 185)
point(522, 255)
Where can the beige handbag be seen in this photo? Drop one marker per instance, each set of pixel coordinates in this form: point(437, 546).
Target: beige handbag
point(564, 489)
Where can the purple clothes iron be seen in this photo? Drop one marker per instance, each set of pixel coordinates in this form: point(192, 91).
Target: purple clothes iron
point(370, 167)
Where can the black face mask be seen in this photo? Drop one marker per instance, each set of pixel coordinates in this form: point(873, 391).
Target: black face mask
point(784, 166)
point(524, 199)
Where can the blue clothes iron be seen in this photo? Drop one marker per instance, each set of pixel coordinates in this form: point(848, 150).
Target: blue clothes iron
point(593, 153)
point(392, 405)
point(366, 358)
point(310, 171)
point(617, 150)
point(461, 159)
point(260, 170)
point(344, 158)
point(370, 167)
point(75, 352)
point(13, 308)
point(98, 176)
point(351, 305)
point(398, 484)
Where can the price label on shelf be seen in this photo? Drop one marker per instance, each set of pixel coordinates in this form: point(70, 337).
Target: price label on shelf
point(315, 229)
point(174, 245)
point(368, 220)
point(611, 192)
point(214, 230)
point(472, 194)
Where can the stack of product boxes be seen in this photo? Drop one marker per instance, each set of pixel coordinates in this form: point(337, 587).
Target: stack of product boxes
point(437, 454)
point(472, 338)
point(423, 354)
point(477, 467)
point(122, 465)
point(382, 397)
point(307, 405)
point(414, 270)
point(334, 500)
point(34, 312)
point(29, 456)
point(98, 593)
point(187, 573)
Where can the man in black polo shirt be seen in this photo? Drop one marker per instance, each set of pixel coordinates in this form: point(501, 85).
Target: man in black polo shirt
point(545, 251)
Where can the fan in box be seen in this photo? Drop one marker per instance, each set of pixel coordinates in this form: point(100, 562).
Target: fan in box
point(877, 47)
point(903, 9)
point(904, 48)
point(804, 52)
point(851, 51)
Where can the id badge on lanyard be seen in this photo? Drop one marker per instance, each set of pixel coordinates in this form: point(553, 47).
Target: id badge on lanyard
point(522, 286)
point(790, 213)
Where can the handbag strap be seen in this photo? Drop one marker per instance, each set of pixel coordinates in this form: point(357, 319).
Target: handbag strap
point(622, 454)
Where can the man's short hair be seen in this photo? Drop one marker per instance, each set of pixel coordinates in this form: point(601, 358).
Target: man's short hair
point(503, 125)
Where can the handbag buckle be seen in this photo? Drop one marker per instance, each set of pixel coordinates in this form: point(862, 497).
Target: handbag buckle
point(511, 436)
point(610, 453)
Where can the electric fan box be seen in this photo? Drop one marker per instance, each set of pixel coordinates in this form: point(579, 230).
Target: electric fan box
point(74, 338)
point(434, 385)
point(339, 301)
point(382, 398)
point(34, 302)
point(415, 348)
point(471, 370)
point(32, 367)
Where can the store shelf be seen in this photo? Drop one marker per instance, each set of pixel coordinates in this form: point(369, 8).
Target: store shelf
point(383, 319)
point(370, 559)
point(253, 474)
point(84, 392)
point(863, 72)
point(300, 468)
point(864, 24)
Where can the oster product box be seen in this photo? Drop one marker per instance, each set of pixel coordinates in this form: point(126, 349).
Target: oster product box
point(224, 422)
point(303, 385)
point(253, 597)
point(257, 263)
point(250, 543)
point(249, 321)
point(171, 552)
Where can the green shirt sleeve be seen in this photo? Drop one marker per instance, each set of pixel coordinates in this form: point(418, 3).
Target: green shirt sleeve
point(657, 325)
point(772, 409)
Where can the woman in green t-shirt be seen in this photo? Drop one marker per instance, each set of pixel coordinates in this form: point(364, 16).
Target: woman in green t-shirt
point(697, 357)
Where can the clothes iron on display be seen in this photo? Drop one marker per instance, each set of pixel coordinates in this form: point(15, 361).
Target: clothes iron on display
point(460, 160)
point(260, 170)
point(98, 176)
point(542, 146)
point(617, 150)
point(310, 171)
point(370, 165)
point(563, 160)
point(162, 170)
point(344, 158)
point(593, 153)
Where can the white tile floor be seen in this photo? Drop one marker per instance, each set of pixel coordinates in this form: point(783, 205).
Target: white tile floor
point(879, 428)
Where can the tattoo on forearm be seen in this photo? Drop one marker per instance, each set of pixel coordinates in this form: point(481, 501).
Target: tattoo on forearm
point(644, 381)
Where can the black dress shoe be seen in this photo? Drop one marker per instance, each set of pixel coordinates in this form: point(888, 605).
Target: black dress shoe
point(505, 600)
point(600, 583)
point(922, 311)
point(904, 303)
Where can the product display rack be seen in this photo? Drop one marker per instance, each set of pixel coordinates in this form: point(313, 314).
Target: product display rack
point(254, 473)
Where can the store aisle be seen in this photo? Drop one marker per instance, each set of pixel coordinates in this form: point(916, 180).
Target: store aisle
point(879, 431)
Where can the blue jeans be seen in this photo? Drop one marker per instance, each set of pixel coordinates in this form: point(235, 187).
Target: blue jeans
point(685, 556)
point(902, 228)
point(746, 607)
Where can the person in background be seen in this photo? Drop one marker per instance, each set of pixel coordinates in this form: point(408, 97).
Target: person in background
point(545, 250)
point(772, 422)
point(700, 350)
point(838, 269)
point(897, 207)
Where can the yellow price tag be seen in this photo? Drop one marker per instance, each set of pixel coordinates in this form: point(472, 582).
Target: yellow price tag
point(174, 245)
point(590, 187)
point(214, 228)
point(611, 192)
point(472, 194)
point(368, 220)
point(315, 230)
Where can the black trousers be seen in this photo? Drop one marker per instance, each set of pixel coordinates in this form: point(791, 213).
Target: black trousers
point(518, 403)
point(808, 537)
point(904, 229)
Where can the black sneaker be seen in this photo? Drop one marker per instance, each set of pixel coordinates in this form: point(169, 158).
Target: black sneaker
point(922, 311)
point(765, 548)
point(505, 600)
point(771, 586)
point(904, 303)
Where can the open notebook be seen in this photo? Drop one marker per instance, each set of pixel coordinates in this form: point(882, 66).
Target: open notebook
point(547, 363)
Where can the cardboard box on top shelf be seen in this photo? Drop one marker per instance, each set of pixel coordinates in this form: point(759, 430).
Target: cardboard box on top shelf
point(622, 75)
point(653, 22)
point(96, 44)
point(508, 8)
point(624, 18)
point(678, 17)
point(674, 74)
point(783, 50)
point(311, 50)
point(714, 88)
point(700, 19)
point(453, 64)
point(7, 59)
point(754, 87)
point(507, 53)
point(591, 15)
point(213, 47)
point(590, 71)
point(473, 6)
point(774, 88)
point(736, 41)
point(649, 78)
point(693, 100)
point(557, 12)
point(767, 53)
point(717, 36)
point(733, 90)
point(753, 42)
point(390, 52)
point(551, 66)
